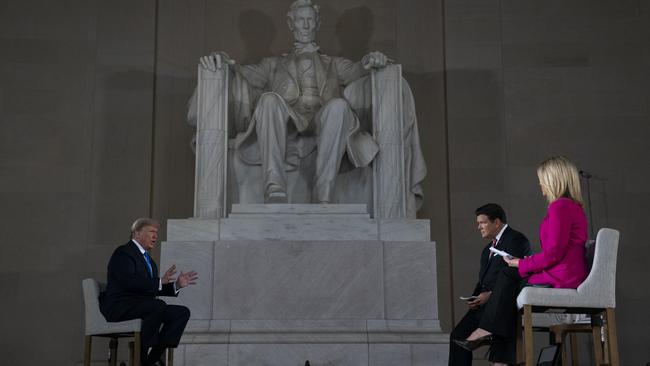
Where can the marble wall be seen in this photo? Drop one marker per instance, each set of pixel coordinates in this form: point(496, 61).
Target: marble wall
point(531, 79)
point(76, 108)
point(92, 104)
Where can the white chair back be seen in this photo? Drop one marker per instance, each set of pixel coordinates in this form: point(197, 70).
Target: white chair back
point(91, 289)
point(601, 281)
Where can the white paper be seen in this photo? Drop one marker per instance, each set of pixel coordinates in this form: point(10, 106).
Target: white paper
point(468, 298)
point(500, 252)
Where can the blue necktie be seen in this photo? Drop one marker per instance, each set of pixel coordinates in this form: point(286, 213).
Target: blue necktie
point(146, 258)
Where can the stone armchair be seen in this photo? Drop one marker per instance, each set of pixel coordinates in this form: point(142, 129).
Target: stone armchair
point(389, 186)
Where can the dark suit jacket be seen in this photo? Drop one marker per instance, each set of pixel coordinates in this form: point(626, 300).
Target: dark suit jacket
point(512, 242)
point(129, 282)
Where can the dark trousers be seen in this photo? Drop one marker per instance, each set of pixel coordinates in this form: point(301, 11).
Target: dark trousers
point(459, 356)
point(502, 350)
point(162, 325)
point(500, 313)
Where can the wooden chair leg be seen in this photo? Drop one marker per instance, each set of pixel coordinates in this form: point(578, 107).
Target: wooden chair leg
point(573, 343)
point(557, 335)
point(612, 342)
point(528, 335)
point(563, 349)
point(131, 353)
point(88, 345)
point(136, 348)
point(598, 344)
point(112, 355)
point(170, 357)
point(519, 340)
point(606, 357)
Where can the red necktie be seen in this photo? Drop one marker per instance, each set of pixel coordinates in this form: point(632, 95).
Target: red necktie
point(494, 243)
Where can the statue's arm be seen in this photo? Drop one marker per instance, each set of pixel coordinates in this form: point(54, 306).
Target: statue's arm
point(257, 75)
point(349, 71)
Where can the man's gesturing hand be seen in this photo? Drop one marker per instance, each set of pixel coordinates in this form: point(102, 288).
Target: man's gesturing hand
point(186, 279)
point(169, 275)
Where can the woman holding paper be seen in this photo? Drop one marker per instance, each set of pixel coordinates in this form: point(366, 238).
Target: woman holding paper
point(563, 233)
point(560, 264)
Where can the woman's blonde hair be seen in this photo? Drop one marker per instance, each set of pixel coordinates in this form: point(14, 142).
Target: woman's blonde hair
point(559, 177)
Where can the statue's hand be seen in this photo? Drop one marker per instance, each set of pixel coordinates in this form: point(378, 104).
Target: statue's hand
point(213, 61)
point(374, 59)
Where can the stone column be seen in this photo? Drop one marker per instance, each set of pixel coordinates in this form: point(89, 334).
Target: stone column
point(211, 144)
point(387, 125)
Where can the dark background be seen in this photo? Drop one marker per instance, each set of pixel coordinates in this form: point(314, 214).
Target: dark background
point(92, 133)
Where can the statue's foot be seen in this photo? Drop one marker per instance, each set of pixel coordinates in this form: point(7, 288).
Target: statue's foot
point(275, 194)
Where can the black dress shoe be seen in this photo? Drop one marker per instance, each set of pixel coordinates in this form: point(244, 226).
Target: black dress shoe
point(158, 363)
point(474, 344)
point(149, 362)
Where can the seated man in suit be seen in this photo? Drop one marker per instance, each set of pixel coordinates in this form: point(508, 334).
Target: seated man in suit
point(133, 285)
point(492, 224)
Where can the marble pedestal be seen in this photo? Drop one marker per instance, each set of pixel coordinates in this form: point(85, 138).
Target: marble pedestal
point(283, 284)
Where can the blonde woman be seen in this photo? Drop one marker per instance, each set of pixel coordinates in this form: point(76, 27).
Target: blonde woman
point(560, 264)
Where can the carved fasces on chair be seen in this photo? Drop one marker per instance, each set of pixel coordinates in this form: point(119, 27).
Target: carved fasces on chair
point(211, 144)
point(389, 178)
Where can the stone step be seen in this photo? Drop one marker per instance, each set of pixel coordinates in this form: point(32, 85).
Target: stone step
point(298, 227)
point(302, 210)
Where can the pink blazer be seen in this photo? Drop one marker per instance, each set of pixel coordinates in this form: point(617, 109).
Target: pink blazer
point(563, 235)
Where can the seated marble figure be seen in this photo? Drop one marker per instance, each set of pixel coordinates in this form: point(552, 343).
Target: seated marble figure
point(305, 103)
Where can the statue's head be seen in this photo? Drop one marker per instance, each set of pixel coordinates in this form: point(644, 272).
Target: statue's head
point(303, 20)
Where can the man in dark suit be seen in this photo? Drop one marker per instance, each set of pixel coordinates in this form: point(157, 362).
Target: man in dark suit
point(134, 283)
point(492, 224)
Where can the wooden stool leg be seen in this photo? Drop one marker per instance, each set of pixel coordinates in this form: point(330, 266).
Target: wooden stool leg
point(131, 353)
point(88, 345)
point(612, 343)
point(563, 348)
point(112, 352)
point(573, 343)
point(170, 357)
point(557, 336)
point(598, 344)
point(528, 335)
point(603, 337)
point(136, 348)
